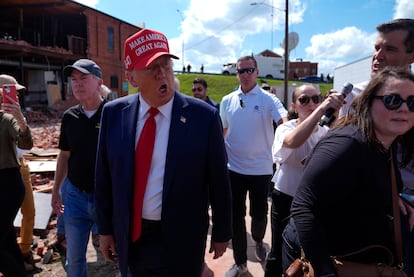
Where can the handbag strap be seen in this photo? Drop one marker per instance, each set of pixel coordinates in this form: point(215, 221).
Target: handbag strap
point(366, 249)
point(396, 214)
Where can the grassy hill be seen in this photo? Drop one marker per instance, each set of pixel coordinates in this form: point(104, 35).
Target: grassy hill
point(220, 85)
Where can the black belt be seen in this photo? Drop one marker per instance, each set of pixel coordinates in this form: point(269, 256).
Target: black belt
point(150, 226)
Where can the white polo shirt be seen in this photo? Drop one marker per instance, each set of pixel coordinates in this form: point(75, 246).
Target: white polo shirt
point(248, 119)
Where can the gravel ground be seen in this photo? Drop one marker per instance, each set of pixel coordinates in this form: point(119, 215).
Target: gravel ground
point(97, 266)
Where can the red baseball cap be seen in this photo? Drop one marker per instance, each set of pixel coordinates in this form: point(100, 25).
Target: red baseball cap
point(144, 47)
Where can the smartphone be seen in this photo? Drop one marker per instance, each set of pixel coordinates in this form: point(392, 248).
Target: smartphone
point(11, 91)
point(408, 198)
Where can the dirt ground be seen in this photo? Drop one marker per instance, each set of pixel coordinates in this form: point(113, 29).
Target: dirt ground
point(97, 266)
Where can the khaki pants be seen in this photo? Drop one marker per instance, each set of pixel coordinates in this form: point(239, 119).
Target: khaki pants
point(28, 211)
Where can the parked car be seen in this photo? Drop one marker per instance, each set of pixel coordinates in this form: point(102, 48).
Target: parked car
point(229, 69)
point(269, 67)
point(312, 79)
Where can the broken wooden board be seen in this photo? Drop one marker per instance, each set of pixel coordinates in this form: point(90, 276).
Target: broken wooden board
point(45, 152)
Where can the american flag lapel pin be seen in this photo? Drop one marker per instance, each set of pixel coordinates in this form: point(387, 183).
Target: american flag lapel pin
point(183, 119)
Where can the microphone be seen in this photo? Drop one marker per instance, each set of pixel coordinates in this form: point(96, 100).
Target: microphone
point(327, 117)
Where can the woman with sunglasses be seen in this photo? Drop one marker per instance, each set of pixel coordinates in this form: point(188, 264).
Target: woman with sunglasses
point(293, 142)
point(344, 199)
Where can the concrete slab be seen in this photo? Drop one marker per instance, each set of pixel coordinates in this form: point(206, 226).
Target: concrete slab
point(42, 166)
point(255, 267)
point(43, 211)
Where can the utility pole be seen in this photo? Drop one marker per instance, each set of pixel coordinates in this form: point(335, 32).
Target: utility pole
point(182, 41)
point(286, 84)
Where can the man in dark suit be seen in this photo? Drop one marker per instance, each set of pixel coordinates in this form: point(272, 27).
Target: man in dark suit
point(187, 171)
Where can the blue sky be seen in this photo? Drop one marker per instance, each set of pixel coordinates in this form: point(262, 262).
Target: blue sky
point(214, 32)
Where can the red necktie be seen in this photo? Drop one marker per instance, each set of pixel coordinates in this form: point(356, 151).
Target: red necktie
point(143, 157)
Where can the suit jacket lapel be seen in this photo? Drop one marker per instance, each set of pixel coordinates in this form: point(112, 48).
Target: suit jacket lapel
point(177, 137)
point(129, 117)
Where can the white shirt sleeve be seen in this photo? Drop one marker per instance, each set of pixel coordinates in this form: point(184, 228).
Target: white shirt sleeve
point(280, 153)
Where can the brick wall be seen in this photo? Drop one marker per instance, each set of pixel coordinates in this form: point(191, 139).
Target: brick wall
point(302, 69)
point(110, 60)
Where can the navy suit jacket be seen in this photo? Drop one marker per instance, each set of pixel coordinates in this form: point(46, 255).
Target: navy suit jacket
point(195, 176)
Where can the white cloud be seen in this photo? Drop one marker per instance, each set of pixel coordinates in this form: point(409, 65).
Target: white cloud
point(214, 31)
point(404, 9)
point(345, 43)
point(349, 44)
point(90, 3)
point(332, 49)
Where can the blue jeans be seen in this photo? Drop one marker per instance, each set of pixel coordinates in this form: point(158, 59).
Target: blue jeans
point(61, 222)
point(79, 217)
point(290, 246)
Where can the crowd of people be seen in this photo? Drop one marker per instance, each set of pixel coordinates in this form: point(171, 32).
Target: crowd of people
point(150, 172)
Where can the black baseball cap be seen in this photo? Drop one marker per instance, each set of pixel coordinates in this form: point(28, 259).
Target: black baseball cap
point(85, 66)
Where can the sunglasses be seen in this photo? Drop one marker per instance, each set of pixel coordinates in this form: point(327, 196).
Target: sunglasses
point(249, 70)
point(197, 89)
point(394, 101)
point(306, 99)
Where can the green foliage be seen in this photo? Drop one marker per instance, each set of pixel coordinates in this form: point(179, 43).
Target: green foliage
point(220, 85)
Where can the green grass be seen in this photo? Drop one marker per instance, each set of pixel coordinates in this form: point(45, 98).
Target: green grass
point(220, 85)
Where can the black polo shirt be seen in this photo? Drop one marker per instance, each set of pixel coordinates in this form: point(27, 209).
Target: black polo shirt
point(79, 136)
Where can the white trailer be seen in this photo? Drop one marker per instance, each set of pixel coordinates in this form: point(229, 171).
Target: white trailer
point(354, 73)
point(269, 67)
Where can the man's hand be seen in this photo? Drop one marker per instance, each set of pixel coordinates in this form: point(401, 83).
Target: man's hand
point(408, 211)
point(56, 202)
point(107, 247)
point(218, 248)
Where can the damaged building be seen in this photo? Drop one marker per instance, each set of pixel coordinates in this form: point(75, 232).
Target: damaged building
point(38, 38)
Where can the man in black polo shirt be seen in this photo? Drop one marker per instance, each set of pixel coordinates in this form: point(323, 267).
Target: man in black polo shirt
point(75, 168)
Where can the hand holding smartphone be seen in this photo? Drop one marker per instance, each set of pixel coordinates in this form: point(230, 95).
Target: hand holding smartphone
point(10, 91)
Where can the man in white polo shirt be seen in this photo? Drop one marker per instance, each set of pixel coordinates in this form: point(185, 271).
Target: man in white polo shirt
point(247, 115)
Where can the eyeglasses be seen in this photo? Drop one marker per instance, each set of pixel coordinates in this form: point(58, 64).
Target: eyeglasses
point(315, 99)
point(249, 70)
point(197, 89)
point(394, 101)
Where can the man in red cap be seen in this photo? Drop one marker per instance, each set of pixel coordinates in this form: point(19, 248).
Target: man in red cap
point(186, 171)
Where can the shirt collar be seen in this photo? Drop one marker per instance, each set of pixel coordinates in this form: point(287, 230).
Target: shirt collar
point(254, 90)
point(165, 109)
